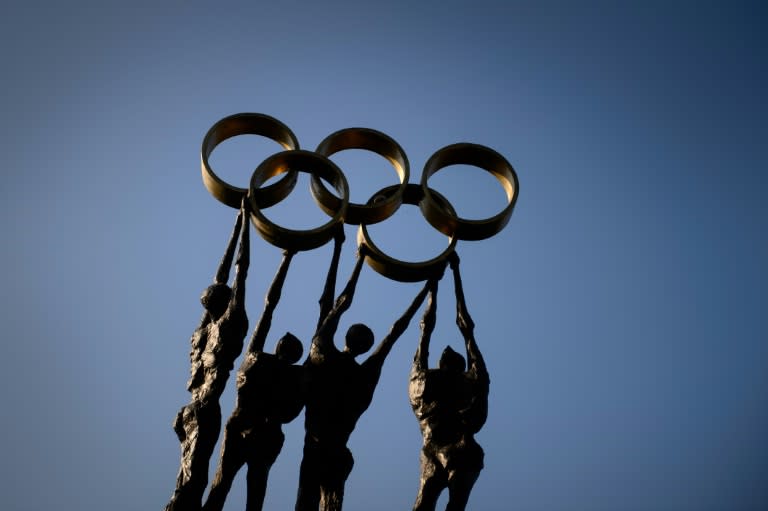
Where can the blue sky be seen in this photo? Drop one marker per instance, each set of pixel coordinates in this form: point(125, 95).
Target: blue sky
point(622, 311)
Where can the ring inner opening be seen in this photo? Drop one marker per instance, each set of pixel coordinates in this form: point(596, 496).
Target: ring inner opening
point(298, 211)
point(474, 193)
point(366, 172)
point(407, 236)
point(235, 158)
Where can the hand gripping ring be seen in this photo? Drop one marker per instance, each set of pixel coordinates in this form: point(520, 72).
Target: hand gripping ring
point(396, 269)
point(371, 140)
point(445, 220)
point(246, 124)
point(290, 162)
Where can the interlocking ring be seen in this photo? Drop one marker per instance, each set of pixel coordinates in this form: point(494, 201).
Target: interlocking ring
point(371, 140)
point(290, 162)
point(247, 124)
point(437, 210)
point(396, 269)
point(445, 220)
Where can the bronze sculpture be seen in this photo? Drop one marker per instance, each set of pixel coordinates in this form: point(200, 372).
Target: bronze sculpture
point(451, 405)
point(215, 346)
point(269, 394)
point(339, 391)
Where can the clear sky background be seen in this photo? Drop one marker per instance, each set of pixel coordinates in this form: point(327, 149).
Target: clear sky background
point(622, 311)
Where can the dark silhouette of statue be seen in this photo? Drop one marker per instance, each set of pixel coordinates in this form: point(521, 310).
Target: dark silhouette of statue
point(451, 405)
point(339, 390)
point(216, 344)
point(269, 394)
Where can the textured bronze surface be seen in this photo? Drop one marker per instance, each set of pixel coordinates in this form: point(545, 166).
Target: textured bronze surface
point(303, 161)
point(246, 124)
point(216, 343)
point(371, 140)
point(339, 390)
point(396, 269)
point(270, 393)
point(451, 405)
point(447, 221)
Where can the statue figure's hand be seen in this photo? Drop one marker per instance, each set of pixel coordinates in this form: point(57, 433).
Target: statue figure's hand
point(453, 259)
point(245, 206)
point(339, 235)
point(439, 274)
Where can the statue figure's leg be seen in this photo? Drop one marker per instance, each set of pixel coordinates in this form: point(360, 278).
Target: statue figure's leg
point(263, 448)
point(339, 463)
point(465, 466)
point(231, 460)
point(201, 426)
point(434, 480)
point(459, 487)
point(257, 486)
point(308, 498)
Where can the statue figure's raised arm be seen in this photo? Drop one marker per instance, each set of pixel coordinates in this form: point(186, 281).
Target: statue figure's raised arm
point(323, 338)
point(427, 324)
point(329, 290)
point(222, 274)
point(398, 327)
point(242, 262)
point(475, 363)
point(270, 302)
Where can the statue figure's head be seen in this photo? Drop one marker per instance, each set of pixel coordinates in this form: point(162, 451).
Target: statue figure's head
point(215, 299)
point(359, 339)
point(289, 348)
point(451, 361)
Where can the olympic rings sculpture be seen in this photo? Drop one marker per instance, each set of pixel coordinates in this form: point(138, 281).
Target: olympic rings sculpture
point(436, 209)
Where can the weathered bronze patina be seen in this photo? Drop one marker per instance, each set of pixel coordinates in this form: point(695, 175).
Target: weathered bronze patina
point(396, 269)
point(445, 220)
point(451, 405)
point(246, 124)
point(216, 343)
point(372, 140)
point(339, 390)
point(270, 393)
point(450, 402)
point(295, 161)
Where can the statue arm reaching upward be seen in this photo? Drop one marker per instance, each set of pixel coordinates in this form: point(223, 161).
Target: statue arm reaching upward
point(475, 363)
point(225, 265)
point(421, 359)
point(418, 378)
point(476, 413)
point(329, 290)
point(398, 327)
point(323, 339)
point(242, 263)
point(222, 274)
point(199, 340)
point(270, 302)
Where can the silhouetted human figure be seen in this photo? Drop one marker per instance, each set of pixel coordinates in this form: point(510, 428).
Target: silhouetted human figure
point(339, 390)
point(216, 344)
point(269, 394)
point(451, 406)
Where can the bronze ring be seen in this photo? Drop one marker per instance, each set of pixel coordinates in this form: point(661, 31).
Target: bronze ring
point(290, 162)
point(371, 140)
point(447, 221)
point(396, 269)
point(246, 124)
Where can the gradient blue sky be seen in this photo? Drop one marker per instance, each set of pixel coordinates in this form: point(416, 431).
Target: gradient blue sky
point(622, 311)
